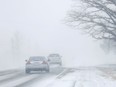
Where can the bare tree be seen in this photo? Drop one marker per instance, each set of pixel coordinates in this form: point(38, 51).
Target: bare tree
point(96, 17)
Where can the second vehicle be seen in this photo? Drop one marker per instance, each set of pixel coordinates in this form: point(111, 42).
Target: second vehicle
point(55, 59)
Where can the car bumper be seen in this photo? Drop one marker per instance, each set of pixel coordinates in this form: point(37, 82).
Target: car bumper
point(37, 67)
point(55, 62)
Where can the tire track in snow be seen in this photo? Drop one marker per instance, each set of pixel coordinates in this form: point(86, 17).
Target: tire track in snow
point(43, 76)
point(10, 77)
point(6, 79)
point(66, 71)
point(58, 82)
point(6, 72)
point(19, 80)
point(33, 80)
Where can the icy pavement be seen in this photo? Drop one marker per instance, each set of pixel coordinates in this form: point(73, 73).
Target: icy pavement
point(18, 78)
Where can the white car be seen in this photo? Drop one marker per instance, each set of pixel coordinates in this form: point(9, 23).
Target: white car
point(55, 59)
point(37, 63)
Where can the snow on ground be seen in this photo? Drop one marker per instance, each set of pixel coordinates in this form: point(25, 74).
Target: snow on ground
point(60, 83)
point(18, 81)
point(7, 76)
point(53, 81)
point(84, 78)
point(43, 82)
point(81, 77)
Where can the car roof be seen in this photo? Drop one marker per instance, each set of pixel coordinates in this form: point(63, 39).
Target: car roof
point(55, 54)
point(37, 57)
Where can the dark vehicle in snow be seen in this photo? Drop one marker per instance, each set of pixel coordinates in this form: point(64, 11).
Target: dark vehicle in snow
point(37, 63)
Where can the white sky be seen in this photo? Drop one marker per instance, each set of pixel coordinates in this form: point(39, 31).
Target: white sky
point(41, 28)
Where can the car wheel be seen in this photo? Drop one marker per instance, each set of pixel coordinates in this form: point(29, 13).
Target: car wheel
point(27, 71)
point(48, 70)
point(60, 64)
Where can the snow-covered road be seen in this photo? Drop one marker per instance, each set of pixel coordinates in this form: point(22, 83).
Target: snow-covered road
point(60, 77)
point(18, 78)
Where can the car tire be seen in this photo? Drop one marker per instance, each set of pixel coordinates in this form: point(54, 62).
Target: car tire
point(60, 64)
point(27, 71)
point(48, 70)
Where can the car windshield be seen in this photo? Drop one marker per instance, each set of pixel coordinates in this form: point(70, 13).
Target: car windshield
point(37, 58)
point(54, 55)
point(54, 58)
